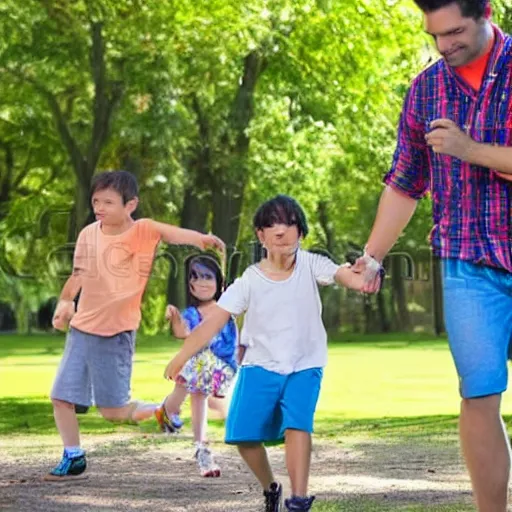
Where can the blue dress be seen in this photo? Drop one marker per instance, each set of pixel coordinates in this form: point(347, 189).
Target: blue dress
point(212, 370)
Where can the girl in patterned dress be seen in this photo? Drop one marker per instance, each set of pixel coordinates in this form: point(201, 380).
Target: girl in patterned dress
point(209, 373)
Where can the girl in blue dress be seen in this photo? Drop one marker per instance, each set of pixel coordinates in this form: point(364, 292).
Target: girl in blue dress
point(209, 373)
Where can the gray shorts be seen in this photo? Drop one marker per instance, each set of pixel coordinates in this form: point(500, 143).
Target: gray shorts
point(95, 367)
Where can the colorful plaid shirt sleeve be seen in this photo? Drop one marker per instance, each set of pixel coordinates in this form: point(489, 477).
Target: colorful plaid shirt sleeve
point(410, 170)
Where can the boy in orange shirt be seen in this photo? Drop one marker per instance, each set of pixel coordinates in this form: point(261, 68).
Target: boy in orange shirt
point(112, 263)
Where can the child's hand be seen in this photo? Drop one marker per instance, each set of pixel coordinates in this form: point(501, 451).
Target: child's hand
point(63, 313)
point(213, 242)
point(171, 312)
point(174, 367)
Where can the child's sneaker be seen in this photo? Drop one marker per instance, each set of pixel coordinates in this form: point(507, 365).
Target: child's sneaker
point(298, 504)
point(273, 497)
point(207, 466)
point(168, 425)
point(69, 468)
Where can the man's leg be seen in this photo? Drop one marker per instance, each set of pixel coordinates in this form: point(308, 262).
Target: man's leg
point(486, 450)
point(478, 315)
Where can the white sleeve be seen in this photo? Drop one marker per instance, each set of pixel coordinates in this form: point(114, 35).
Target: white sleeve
point(235, 299)
point(324, 269)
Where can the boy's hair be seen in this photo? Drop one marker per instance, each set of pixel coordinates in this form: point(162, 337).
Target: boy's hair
point(123, 182)
point(211, 263)
point(469, 8)
point(281, 210)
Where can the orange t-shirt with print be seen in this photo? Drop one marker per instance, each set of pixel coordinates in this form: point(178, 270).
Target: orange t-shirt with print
point(114, 271)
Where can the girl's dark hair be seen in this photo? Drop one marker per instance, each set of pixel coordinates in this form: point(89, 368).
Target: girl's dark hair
point(123, 182)
point(281, 210)
point(212, 264)
point(469, 8)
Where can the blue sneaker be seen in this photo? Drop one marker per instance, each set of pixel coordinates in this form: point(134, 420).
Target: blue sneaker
point(273, 497)
point(69, 468)
point(298, 504)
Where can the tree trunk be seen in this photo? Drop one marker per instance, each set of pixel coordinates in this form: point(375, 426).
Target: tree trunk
point(385, 324)
point(231, 178)
point(399, 294)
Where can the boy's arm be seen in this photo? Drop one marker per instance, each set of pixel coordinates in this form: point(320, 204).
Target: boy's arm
point(71, 288)
point(66, 307)
point(198, 339)
point(181, 236)
point(347, 277)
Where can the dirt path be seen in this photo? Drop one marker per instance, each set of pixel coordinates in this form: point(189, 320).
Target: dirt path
point(126, 475)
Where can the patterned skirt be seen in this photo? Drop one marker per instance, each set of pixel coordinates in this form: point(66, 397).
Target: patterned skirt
point(207, 374)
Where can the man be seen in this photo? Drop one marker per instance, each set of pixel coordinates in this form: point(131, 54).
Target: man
point(455, 140)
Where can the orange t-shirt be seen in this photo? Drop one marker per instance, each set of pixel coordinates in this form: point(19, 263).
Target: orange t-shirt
point(473, 73)
point(114, 270)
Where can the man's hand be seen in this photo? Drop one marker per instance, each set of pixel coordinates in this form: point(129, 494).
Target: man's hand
point(174, 367)
point(447, 138)
point(213, 242)
point(63, 313)
point(370, 269)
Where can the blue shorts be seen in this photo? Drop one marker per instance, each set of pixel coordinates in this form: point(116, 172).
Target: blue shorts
point(478, 318)
point(266, 403)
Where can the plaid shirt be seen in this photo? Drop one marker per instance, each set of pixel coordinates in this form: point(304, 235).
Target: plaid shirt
point(472, 207)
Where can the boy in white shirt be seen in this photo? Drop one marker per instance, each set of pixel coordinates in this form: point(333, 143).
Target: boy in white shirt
point(279, 382)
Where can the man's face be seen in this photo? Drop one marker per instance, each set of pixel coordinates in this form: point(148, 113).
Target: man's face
point(459, 40)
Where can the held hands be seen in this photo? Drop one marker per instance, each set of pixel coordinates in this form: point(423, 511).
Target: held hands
point(447, 138)
point(371, 271)
point(63, 313)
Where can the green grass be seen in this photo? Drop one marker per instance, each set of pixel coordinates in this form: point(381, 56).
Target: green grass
point(398, 388)
point(364, 505)
point(399, 384)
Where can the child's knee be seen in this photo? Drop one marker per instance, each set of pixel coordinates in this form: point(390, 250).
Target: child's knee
point(247, 447)
point(115, 414)
point(61, 404)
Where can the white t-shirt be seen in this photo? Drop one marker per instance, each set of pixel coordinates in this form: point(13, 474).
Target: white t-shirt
point(283, 329)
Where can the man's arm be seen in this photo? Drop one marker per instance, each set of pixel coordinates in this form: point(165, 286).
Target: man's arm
point(448, 139)
point(393, 214)
point(498, 158)
point(198, 339)
point(181, 236)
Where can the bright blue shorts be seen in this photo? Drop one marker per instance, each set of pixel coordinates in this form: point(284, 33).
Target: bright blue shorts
point(478, 317)
point(266, 403)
